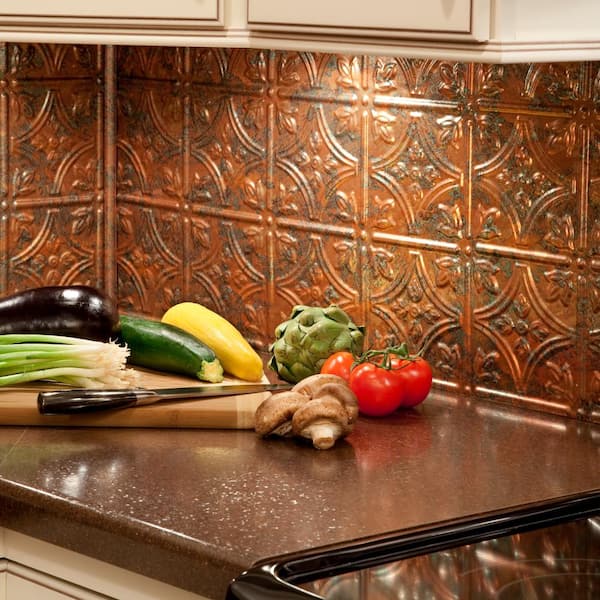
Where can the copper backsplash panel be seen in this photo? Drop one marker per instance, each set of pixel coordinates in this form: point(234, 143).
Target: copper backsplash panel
point(456, 206)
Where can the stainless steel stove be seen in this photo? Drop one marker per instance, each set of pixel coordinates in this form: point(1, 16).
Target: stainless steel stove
point(558, 563)
point(544, 551)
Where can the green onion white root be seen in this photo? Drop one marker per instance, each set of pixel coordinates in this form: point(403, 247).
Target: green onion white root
point(73, 361)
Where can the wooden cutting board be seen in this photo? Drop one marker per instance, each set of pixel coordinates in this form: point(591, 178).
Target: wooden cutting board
point(18, 406)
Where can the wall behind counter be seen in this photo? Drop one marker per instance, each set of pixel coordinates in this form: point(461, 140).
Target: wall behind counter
point(455, 206)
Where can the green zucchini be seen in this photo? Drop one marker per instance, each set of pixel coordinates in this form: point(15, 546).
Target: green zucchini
point(164, 347)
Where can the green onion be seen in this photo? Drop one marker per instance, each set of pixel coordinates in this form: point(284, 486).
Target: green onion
point(74, 361)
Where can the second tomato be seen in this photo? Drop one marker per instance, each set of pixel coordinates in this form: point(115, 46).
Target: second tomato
point(379, 391)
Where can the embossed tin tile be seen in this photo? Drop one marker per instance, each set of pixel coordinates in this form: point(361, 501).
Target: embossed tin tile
point(149, 250)
point(52, 117)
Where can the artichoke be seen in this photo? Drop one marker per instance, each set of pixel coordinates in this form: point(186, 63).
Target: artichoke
point(309, 337)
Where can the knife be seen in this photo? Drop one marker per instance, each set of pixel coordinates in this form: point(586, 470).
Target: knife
point(60, 402)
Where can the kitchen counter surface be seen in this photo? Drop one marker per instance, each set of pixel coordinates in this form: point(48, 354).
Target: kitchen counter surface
point(195, 508)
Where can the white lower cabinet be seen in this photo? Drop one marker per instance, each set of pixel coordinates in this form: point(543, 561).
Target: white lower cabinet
point(23, 583)
point(31, 569)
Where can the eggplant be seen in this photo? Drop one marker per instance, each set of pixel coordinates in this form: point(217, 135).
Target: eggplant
point(75, 310)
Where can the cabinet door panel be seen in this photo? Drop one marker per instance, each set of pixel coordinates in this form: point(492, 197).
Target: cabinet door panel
point(379, 17)
point(149, 9)
point(23, 583)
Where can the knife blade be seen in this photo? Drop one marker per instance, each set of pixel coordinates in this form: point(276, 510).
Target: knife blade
point(71, 401)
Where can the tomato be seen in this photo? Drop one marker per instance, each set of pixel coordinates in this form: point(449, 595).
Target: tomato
point(416, 377)
point(339, 363)
point(379, 391)
point(383, 380)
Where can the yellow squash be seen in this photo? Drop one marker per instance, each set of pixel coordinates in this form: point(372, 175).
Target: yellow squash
point(233, 351)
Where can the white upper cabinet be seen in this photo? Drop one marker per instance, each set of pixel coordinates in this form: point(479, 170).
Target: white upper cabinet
point(476, 30)
point(472, 30)
point(108, 21)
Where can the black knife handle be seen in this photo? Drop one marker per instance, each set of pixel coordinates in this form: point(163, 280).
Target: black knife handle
point(62, 402)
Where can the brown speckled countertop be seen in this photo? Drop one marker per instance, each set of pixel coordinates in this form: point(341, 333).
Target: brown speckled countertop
point(195, 508)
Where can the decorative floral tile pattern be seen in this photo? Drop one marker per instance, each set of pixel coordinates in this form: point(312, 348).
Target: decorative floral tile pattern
point(455, 206)
point(52, 175)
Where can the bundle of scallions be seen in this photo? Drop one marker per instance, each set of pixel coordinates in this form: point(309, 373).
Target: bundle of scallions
point(70, 360)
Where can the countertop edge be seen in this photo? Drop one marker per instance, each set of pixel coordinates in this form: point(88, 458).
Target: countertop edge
point(127, 543)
